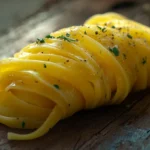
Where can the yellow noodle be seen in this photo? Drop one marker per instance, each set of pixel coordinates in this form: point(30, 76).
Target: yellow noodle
point(81, 67)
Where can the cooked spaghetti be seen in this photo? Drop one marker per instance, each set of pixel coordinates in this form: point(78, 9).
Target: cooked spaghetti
point(81, 67)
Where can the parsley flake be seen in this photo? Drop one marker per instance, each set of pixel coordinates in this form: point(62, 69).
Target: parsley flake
point(45, 66)
point(114, 50)
point(99, 27)
point(56, 86)
point(49, 36)
point(40, 41)
point(129, 36)
point(102, 29)
point(66, 38)
point(85, 32)
point(67, 34)
point(23, 124)
point(113, 27)
point(144, 60)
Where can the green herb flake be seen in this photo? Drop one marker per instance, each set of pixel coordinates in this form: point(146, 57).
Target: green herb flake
point(114, 50)
point(40, 41)
point(56, 86)
point(85, 32)
point(67, 34)
point(129, 36)
point(144, 60)
point(45, 66)
point(23, 124)
point(102, 29)
point(113, 27)
point(99, 27)
point(49, 36)
point(66, 38)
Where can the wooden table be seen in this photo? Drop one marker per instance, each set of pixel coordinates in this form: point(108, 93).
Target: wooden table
point(123, 127)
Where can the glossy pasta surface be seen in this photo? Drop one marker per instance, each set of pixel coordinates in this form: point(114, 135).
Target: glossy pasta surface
point(81, 67)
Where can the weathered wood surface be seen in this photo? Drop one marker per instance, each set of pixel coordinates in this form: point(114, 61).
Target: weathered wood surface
point(123, 127)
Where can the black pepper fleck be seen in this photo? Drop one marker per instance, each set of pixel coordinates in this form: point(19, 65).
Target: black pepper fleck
point(96, 32)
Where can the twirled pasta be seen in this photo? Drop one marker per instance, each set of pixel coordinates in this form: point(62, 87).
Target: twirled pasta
point(81, 67)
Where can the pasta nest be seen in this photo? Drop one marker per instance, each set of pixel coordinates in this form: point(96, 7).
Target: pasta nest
point(81, 67)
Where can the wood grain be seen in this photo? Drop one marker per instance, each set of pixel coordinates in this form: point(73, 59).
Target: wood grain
point(122, 127)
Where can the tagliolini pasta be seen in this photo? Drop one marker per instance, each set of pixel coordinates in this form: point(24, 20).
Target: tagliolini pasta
point(81, 67)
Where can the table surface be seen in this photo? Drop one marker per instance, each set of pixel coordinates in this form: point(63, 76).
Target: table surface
point(121, 127)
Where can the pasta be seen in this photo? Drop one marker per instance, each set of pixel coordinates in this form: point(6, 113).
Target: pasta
point(81, 67)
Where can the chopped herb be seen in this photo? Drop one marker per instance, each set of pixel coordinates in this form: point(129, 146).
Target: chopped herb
point(66, 38)
point(56, 86)
point(40, 41)
point(114, 50)
point(113, 27)
point(85, 60)
point(96, 32)
point(129, 36)
point(85, 32)
point(124, 56)
point(99, 27)
point(144, 60)
point(67, 34)
point(45, 66)
point(23, 124)
point(102, 29)
point(49, 36)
